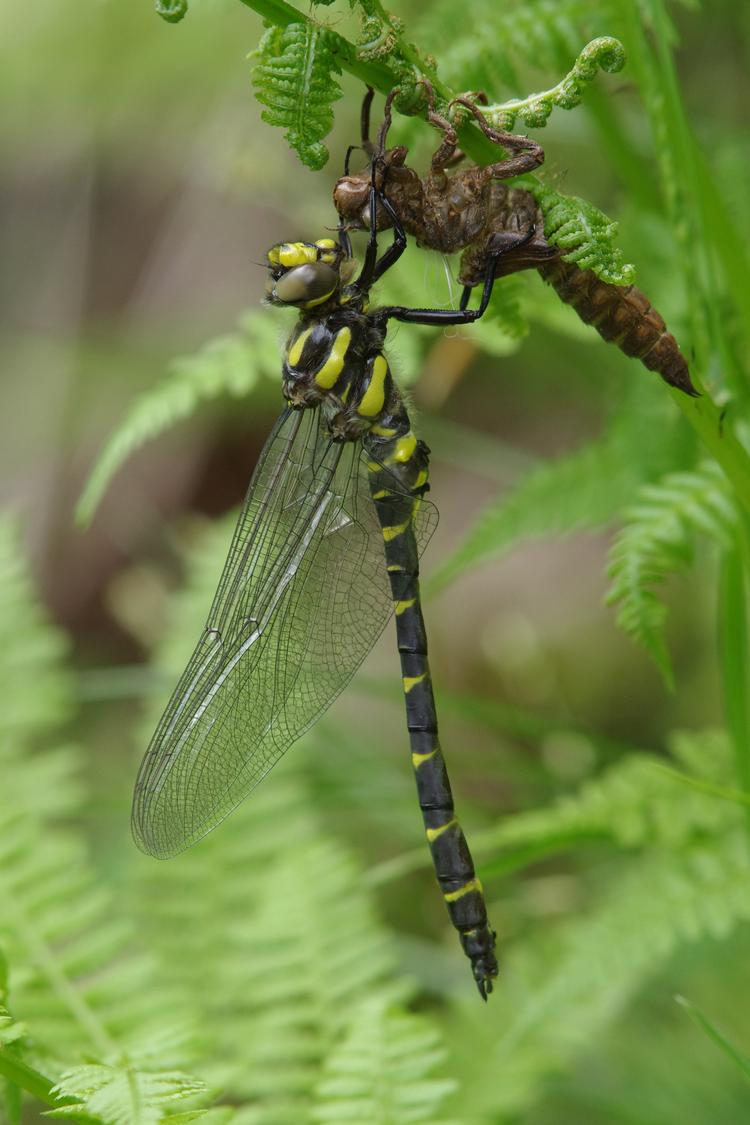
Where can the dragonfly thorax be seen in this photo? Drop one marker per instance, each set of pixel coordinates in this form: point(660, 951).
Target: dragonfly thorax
point(336, 362)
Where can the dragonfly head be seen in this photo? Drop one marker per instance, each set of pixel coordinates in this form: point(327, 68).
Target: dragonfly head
point(306, 274)
point(351, 195)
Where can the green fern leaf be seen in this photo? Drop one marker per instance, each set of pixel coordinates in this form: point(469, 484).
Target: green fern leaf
point(381, 1071)
point(562, 993)
point(582, 489)
point(72, 978)
point(122, 1094)
point(584, 234)
point(293, 77)
point(657, 540)
point(635, 803)
point(229, 364)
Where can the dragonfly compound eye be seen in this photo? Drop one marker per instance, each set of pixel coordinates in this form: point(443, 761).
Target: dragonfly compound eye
point(308, 284)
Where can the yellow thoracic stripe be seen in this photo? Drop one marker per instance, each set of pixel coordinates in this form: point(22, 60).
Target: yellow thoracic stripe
point(294, 355)
point(374, 397)
point(382, 431)
point(412, 681)
point(327, 375)
point(319, 300)
point(418, 759)
point(402, 606)
point(472, 885)
point(296, 254)
point(382, 494)
point(390, 533)
point(403, 448)
point(421, 478)
point(433, 833)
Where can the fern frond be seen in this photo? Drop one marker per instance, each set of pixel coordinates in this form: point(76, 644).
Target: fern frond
point(657, 540)
point(583, 232)
point(72, 979)
point(635, 803)
point(293, 76)
point(582, 489)
point(37, 687)
point(122, 1093)
point(605, 53)
point(562, 994)
point(382, 1070)
point(230, 364)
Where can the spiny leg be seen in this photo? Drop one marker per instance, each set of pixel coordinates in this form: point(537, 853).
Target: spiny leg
point(528, 154)
point(374, 268)
point(462, 315)
point(447, 152)
point(364, 130)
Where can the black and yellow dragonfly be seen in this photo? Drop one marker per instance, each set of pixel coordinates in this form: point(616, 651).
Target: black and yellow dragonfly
point(326, 548)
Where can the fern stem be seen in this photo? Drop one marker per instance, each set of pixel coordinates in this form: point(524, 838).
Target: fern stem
point(689, 196)
point(708, 421)
point(375, 74)
point(733, 653)
point(742, 1062)
point(281, 14)
point(516, 858)
point(15, 1070)
point(735, 796)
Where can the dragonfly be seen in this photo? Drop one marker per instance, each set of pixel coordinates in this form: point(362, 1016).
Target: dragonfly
point(472, 210)
point(325, 550)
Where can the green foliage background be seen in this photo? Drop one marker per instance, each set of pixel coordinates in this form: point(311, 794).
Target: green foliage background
point(297, 965)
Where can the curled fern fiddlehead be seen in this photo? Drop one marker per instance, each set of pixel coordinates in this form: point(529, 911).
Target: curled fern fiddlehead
point(604, 53)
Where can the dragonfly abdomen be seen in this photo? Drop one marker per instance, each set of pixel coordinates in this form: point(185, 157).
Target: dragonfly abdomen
point(406, 458)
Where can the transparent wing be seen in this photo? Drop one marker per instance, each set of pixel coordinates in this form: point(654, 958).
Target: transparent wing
point(303, 597)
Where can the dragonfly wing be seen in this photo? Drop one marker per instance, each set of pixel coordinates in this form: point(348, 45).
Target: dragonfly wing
point(303, 597)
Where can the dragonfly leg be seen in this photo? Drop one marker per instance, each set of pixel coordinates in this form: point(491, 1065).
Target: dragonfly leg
point(364, 126)
point(526, 153)
point(463, 314)
point(374, 267)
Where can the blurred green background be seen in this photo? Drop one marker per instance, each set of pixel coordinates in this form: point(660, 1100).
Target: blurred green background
point(139, 189)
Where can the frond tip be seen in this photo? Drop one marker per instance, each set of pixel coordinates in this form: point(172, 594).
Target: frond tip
point(171, 10)
point(229, 364)
point(293, 77)
point(604, 53)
